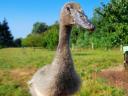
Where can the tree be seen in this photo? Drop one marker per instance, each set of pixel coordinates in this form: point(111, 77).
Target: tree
point(1, 37)
point(47, 39)
point(32, 40)
point(6, 38)
point(17, 42)
point(50, 37)
point(112, 23)
point(39, 27)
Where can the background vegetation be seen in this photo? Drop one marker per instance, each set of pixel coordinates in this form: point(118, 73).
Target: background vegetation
point(111, 30)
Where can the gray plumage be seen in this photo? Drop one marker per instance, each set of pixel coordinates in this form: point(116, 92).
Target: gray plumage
point(60, 78)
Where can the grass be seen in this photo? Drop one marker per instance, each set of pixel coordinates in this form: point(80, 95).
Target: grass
point(18, 64)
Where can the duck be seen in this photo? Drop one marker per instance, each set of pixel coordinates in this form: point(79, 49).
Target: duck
point(60, 77)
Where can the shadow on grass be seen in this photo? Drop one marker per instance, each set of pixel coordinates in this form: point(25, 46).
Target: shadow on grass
point(82, 54)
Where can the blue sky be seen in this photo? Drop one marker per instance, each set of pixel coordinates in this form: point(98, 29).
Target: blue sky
point(22, 14)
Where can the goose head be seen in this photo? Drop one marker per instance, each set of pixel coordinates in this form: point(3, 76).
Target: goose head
point(72, 14)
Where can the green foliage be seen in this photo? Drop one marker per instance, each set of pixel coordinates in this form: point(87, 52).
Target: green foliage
point(6, 38)
point(17, 42)
point(50, 37)
point(74, 35)
point(80, 38)
point(32, 40)
point(112, 24)
point(47, 39)
point(111, 30)
point(39, 27)
point(83, 40)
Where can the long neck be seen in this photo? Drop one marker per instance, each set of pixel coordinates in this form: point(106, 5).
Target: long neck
point(63, 54)
point(64, 38)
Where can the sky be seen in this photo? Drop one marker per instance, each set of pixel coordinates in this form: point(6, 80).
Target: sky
point(22, 14)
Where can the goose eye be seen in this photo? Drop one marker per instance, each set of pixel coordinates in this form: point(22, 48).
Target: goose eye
point(68, 8)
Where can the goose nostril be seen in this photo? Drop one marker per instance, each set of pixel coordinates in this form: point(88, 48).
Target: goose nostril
point(81, 16)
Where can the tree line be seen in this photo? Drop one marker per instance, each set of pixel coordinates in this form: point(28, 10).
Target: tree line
point(6, 38)
point(111, 21)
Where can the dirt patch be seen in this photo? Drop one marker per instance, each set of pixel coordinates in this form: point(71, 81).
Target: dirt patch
point(22, 75)
point(116, 76)
point(23, 72)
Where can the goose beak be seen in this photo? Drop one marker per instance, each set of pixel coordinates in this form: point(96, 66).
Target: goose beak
point(81, 19)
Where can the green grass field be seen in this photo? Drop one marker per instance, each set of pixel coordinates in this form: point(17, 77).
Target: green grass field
point(18, 64)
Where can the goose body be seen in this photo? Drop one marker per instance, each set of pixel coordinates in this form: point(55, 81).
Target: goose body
point(60, 78)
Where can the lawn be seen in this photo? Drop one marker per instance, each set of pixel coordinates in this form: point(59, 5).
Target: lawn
point(18, 64)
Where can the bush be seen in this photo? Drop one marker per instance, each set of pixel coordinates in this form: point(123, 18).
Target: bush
point(50, 37)
point(33, 40)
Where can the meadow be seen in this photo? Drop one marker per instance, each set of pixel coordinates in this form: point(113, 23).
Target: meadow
point(18, 64)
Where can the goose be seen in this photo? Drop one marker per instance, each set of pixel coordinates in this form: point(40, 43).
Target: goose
point(60, 78)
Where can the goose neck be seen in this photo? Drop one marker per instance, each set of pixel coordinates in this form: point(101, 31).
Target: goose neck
point(64, 37)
